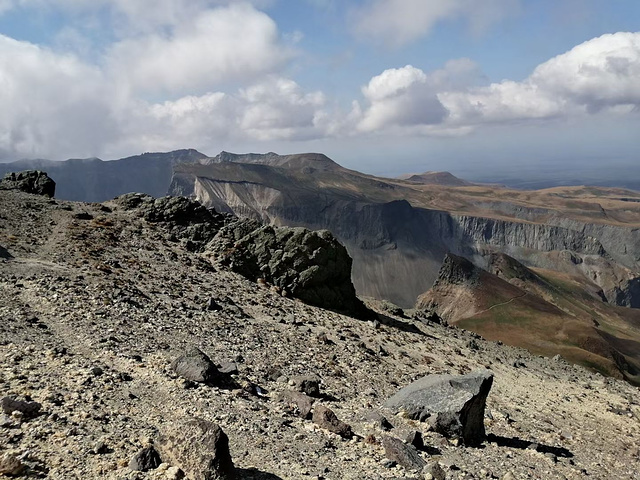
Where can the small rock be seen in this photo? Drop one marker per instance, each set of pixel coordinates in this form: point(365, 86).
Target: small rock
point(406, 455)
point(378, 420)
point(415, 439)
point(146, 459)
point(12, 404)
point(212, 305)
point(301, 402)
point(307, 384)
point(196, 366)
point(10, 464)
point(434, 471)
point(325, 418)
point(174, 473)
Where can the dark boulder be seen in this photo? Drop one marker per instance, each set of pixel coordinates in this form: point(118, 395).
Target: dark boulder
point(199, 447)
point(186, 219)
point(196, 366)
point(310, 265)
point(454, 405)
point(146, 459)
point(29, 181)
point(11, 404)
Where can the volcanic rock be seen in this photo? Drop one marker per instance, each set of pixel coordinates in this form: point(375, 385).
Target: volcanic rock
point(29, 181)
point(196, 366)
point(455, 403)
point(310, 265)
point(200, 448)
point(325, 418)
point(406, 455)
point(145, 460)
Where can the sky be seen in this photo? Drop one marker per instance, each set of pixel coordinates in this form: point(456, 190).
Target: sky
point(382, 86)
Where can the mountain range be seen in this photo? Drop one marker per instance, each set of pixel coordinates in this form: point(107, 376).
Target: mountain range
point(560, 267)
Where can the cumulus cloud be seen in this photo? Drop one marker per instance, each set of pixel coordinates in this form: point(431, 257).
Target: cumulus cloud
point(231, 43)
point(406, 97)
point(399, 22)
point(598, 75)
point(50, 99)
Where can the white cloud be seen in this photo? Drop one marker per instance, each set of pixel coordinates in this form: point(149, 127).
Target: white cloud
point(599, 74)
point(407, 96)
point(399, 22)
point(50, 100)
point(234, 43)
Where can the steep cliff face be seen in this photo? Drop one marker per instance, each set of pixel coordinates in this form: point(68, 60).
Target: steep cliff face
point(397, 248)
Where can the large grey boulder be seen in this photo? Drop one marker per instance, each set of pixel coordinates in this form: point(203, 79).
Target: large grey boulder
point(454, 405)
point(30, 181)
point(199, 447)
point(310, 265)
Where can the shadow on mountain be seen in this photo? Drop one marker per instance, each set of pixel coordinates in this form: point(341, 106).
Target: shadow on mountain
point(400, 325)
point(255, 474)
point(520, 444)
point(4, 253)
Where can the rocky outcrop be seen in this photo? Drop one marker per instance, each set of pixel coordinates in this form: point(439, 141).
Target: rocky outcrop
point(187, 220)
point(457, 270)
point(29, 181)
point(454, 405)
point(311, 266)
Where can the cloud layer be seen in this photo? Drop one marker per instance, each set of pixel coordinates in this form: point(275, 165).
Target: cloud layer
point(399, 22)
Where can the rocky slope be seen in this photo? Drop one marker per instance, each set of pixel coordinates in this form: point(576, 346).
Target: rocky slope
point(98, 301)
point(540, 310)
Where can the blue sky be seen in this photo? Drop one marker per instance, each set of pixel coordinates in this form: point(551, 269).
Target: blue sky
point(384, 86)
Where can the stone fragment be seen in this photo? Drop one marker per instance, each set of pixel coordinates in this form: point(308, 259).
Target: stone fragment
point(12, 404)
point(456, 403)
point(406, 455)
point(10, 464)
point(196, 366)
point(146, 459)
point(434, 471)
point(325, 418)
point(415, 439)
point(301, 402)
point(199, 448)
point(378, 420)
point(309, 384)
